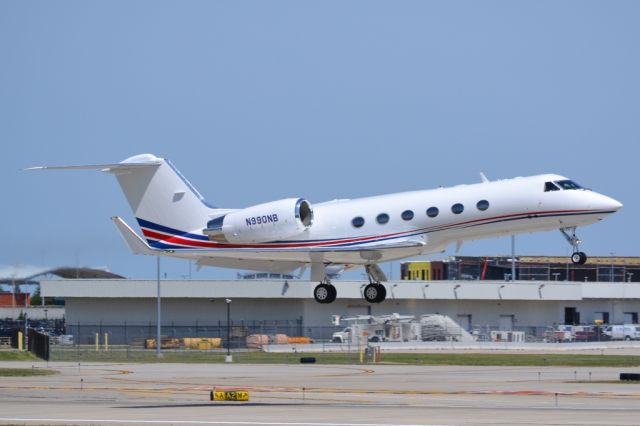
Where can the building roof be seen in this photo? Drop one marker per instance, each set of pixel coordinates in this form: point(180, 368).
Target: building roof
point(591, 260)
point(300, 289)
point(25, 274)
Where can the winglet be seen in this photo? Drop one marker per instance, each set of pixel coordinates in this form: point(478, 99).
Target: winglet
point(136, 244)
point(484, 178)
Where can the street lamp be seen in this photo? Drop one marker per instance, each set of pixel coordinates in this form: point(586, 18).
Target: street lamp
point(228, 358)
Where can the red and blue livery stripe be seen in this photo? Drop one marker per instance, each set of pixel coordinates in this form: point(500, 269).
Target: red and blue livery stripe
point(167, 238)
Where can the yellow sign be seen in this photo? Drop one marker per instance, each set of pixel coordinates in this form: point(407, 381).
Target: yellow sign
point(229, 395)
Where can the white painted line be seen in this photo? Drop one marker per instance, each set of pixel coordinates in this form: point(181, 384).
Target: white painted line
point(203, 422)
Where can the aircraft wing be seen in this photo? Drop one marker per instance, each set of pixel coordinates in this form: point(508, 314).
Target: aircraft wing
point(279, 260)
point(278, 267)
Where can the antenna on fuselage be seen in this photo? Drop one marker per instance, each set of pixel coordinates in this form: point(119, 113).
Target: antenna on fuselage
point(483, 178)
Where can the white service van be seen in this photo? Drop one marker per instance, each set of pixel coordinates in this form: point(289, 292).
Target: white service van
point(623, 332)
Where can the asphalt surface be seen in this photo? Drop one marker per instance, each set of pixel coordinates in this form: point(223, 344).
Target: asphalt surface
point(304, 394)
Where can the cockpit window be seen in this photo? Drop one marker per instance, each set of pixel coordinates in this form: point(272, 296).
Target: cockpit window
point(568, 184)
point(550, 186)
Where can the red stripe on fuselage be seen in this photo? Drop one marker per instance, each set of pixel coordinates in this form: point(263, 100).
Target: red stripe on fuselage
point(173, 239)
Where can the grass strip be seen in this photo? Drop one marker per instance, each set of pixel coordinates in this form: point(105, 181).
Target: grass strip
point(257, 357)
point(15, 355)
point(25, 372)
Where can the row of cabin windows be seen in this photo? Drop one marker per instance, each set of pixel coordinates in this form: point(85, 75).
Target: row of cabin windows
point(407, 215)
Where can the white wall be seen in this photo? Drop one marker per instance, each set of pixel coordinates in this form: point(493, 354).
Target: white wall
point(531, 303)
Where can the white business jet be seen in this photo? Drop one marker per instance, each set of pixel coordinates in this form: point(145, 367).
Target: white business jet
point(290, 234)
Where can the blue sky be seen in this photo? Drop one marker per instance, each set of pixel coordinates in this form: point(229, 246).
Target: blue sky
point(255, 101)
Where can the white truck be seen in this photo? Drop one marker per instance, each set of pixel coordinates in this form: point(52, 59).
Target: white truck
point(383, 328)
point(399, 328)
point(623, 332)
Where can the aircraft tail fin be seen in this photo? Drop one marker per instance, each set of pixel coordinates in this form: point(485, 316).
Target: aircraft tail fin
point(164, 203)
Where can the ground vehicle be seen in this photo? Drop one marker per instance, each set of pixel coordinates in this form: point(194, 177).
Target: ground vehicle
point(383, 328)
point(342, 336)
point(400, 328)
point(623, 332)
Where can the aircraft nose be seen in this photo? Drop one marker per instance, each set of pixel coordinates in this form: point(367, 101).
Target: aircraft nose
point(608, 203)
point(615, 204)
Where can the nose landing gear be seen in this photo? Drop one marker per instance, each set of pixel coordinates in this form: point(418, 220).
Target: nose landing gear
point(578, 257)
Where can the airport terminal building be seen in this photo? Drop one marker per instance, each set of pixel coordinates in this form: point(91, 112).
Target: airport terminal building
point(127, 308)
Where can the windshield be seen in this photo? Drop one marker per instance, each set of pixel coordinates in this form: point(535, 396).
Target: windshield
point(550, 186)
point(568, 184)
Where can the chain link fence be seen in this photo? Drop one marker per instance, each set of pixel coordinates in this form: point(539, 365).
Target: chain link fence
point(85, 341)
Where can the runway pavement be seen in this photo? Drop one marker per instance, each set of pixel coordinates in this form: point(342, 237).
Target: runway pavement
point(319, 395)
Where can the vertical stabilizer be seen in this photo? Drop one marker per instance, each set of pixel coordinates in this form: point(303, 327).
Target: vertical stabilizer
point(160, 196)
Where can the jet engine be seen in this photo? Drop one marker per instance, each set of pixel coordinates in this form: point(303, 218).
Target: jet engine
point(262, 223)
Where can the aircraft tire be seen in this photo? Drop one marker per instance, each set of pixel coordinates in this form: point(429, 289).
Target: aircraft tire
point(583, 258)
point(371, 293)
point(578, 258)
point(383, 294)
point(375, 293)
point(322, 293)
point(333, 293)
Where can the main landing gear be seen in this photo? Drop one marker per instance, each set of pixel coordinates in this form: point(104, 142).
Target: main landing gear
point(325, 292)
point(374, 292)
point(578, 257)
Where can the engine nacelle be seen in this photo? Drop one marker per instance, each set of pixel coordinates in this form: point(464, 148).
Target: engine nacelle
point(262, 223)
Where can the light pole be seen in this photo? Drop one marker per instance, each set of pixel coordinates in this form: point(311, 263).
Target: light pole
point(513, 257)
point(13, 298)
point(228, 358)
point(158, 312)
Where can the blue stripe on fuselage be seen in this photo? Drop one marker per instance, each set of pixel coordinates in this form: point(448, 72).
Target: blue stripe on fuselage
point(160, 245)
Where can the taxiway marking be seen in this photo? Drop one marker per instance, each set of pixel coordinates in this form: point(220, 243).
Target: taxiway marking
point(205, 422)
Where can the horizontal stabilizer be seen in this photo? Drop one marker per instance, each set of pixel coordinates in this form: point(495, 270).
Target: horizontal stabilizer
point(115, 167)
point(133, 240)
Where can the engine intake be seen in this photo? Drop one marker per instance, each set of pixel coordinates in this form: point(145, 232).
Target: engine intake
point(262, 223)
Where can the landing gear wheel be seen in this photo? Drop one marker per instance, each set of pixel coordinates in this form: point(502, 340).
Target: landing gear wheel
point(375, 293)
point(383, 293)
point(332, 293)
point(324, 293)
point(321, 293)
point(578, 258)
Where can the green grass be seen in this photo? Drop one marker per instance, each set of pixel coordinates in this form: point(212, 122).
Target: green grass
point(14, 355)
point(244, 357)
point(522, 360)
point(25, 372)
point(256, 357)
